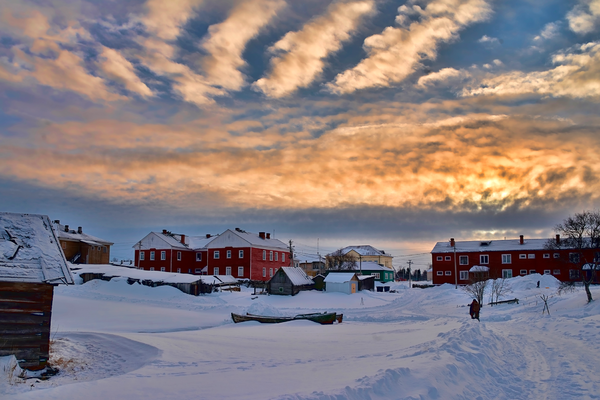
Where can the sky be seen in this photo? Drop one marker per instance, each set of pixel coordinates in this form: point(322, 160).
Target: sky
point(392, 123)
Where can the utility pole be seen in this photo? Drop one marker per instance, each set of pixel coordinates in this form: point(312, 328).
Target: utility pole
point(455, 277)
point(291, 252)
point(409, 262)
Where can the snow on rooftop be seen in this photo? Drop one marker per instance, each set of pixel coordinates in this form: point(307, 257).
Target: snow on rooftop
point(364, 250)
point(30, 251)
point(70, 234)
point(339, 277)
point(479, 268)
point(297, 276)
point(490, 245)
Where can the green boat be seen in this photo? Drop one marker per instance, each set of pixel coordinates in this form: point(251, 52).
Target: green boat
point(321, 318)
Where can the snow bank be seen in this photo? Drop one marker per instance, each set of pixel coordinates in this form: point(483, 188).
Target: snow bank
point(9, 372)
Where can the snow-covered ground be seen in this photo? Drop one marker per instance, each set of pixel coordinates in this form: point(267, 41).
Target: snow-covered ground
point(118, 341)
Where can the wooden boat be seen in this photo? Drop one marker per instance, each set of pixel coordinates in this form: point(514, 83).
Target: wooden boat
point(321, 318)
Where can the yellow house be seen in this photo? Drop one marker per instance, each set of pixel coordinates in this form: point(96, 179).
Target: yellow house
point(367, 253)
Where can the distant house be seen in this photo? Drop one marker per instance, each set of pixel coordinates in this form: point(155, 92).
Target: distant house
point(81, 248)
point(366, 282)
point(289, 281)
point(381, 273)
point(312, 265)
point(345, 282)
point(31, 264)
point(366, 253)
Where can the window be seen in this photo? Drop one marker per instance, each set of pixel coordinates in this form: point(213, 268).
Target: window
point(264, 272)
point(556, 255)
point(241, 254)
point(439, 258)
point(198, 270)
point(178, 256)
point(522, 256)
point(506, 258)
point(532, 271)
point(270, 256)
point(216, 272)
point(573, 274)
point(530, 255)
point(375, 274)
point(240, 271)
point(523, 272)
point(546, 255)
point(546, 272)
point(162, 269)
point(142, 256)
point(447, 258)
point(189, 270)
point(506, 273)
point(556, 272)
point(151, 268)
point(276, 256)
point(440, 273)
point(104, 249)
point(282, 257)
point(151, 256)
point(484, 259)
point(163, 255)
point(178, 270)
point(227, 270)
point(574, 258)
point(464, 275)
point(228, 253)
point(463, 260)
point(271, 272)
point(264, 255)
point(216, 255)
point(448, 273)
point(198, 256)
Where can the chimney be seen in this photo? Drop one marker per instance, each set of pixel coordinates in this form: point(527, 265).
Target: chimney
point(521, 239)
point(558, 239)
point(182, 239)
point(79, 230)
point(261, 235)
point(208, 235)
point(164, 231)
point(268, 235)
point(66, 228)
point(451, 242)
point(57, 221)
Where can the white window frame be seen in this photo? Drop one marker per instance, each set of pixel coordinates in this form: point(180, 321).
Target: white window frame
point(556, 272)
point(522, 256)
point(276, 256)
point(228, 254)
point(506, 258)
point(264, 272)
point(463, 260)
point(178, 270)
point(216, 255)
point(447, 258)
point(162, 269)
point(464, 275)
point(448, 273)
point(197, 270)
point(152, 256)
point(523, 272)
point(507, 273)
point(574, 258)
point(227, 270)
point(241, 254)
point(271, 257)
point(376, 275)
point(271, 272)
point(178, 256)
point(198, 256)
point(142, 255)
point(530, 256)
point(440, 273)
point(240, 272)
point(547, 272)
point(546, 255)
point(282, 257)
point(484, 259)
point(439, 258)
point(264, 255)
point(556, 255)
point(163, 255)
point(151, 268)
point(532, 271)
point(216, 271)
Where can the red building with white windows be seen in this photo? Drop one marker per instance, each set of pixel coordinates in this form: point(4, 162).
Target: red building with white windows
point(452, 261)
point(246, 255)
point(238, 253)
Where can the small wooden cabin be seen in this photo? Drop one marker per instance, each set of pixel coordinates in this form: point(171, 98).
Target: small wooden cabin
point(31, 264)
point(345, 282)
point(289, 281)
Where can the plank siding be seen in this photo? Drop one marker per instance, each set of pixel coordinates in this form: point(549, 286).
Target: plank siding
point(25, 314)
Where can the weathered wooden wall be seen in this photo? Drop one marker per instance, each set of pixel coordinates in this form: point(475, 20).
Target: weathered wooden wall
point(25, 312)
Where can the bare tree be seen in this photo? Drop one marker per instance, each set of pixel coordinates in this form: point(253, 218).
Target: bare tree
point(340, 261)
point(476, 289)
point(581, 233)
point(499, 287)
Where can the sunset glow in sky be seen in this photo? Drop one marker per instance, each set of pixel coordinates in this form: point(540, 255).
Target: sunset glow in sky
point(360, 121)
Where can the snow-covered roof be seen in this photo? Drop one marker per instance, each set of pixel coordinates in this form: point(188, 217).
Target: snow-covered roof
point(371, 266)
point(160, 240)
point(339, 277)
point(364, 250)
point(30, 251)
point(479, 268)
point(65, 233)
point(199, 242)
point(297, 276)
point(590, 266)
point(247, 238)
point(490, 245)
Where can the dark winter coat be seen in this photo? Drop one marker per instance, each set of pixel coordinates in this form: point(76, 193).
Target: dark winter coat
point(474, 308)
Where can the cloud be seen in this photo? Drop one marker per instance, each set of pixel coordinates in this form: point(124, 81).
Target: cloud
point(165, 18)
point(550, 31)
point(577, 75)
point(584, 17)
point(227, 40)
point(487, 40)
point(120, 69)
point(396, 52)
point(301, 55)
point(443, 76)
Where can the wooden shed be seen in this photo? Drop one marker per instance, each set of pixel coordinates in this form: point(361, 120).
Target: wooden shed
point(31, 264)
point(289, 281)
point(345, 282)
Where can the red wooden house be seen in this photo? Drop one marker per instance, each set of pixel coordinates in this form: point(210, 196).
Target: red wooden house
point(451, 261)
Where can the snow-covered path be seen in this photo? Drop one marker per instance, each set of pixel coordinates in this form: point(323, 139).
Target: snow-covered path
point(157, 343)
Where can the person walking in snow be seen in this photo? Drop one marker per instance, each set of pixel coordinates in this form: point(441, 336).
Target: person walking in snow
point(474, 309)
